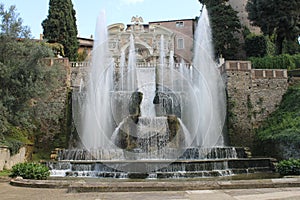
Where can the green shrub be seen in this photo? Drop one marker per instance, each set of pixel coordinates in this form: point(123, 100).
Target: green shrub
point(30, 171)
point(284, 61)
point(289, 167)
point(259, 46)
point(296, 60)
point(283, 125)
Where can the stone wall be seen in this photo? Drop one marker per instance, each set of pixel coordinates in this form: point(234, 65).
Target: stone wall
point(7, 160)
point(252, 95)
point(79, 74)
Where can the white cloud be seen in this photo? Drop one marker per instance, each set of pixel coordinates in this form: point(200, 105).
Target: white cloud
point(132, 1)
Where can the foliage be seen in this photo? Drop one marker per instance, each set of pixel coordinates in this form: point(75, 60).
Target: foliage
point(272, 17)
point(224, 29)
point(26, 82)
point(30, 171)
point(5, 172)
point(291, 47)
point(258, 46)
point(289, 167)
point(60, 26)
point(57, 48)
point(11, 23)
point(15, 138)
point(283, 125)
point(82, 55)
point(296, 60)
point(283, 61)
point(255, 46)
point(23, 78)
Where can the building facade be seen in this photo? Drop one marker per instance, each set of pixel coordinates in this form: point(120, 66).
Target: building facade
point(177, 38)
point(184, 30)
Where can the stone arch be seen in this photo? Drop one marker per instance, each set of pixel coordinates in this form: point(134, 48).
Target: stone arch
point(144, 51)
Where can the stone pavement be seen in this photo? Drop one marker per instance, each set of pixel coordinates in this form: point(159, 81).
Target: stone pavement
point(9, 192)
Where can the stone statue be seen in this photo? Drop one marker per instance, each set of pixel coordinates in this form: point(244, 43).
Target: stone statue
point(137, 20)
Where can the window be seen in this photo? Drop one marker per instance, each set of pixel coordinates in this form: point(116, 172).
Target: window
point(179, 24)
point(180, 43)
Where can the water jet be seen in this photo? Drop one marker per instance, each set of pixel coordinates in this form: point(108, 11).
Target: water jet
point(153, 120)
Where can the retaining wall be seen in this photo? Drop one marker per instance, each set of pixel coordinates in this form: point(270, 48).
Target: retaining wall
point(7, 160)
point(252, 95)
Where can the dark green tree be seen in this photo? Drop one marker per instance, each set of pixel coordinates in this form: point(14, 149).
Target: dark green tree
point(225, 27)
point(278, 17)
point(60, 26)
point(258, 46)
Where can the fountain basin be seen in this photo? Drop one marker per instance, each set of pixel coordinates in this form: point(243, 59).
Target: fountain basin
point(160, 168)
point(193, 163)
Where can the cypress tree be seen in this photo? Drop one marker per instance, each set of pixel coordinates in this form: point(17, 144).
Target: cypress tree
point(60, 26)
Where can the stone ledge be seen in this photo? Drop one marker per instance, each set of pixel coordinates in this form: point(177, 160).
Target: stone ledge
point(40, 183)
point(181, 185)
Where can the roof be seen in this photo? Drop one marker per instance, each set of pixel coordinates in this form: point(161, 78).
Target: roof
point(174, 20)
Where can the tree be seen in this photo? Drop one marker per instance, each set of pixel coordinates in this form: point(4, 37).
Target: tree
point(258, 46)
point(24, 79)
point(60, 26)
point(225, 27)
point(11, 23)
point(279, 17)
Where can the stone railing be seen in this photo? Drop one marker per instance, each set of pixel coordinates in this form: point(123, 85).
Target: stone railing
point(256, 73)
point(237, 66)
point(80, 64)
point(269, 73)
point(52, 61)
point(138, 65)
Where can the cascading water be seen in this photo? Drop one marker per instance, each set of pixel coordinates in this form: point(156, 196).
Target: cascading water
point(197, 103)
point(171, 67)
point(122, 68)
point(156, 120)
point(146, 85)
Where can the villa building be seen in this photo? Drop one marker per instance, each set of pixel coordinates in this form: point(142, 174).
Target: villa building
point(174, 36)
point(177, 36)
point(85, 44)
point(184, 30)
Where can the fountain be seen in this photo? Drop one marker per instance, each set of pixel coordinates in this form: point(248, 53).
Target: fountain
point(155, 121)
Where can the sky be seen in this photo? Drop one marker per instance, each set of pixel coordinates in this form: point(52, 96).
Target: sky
point(33, 12)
